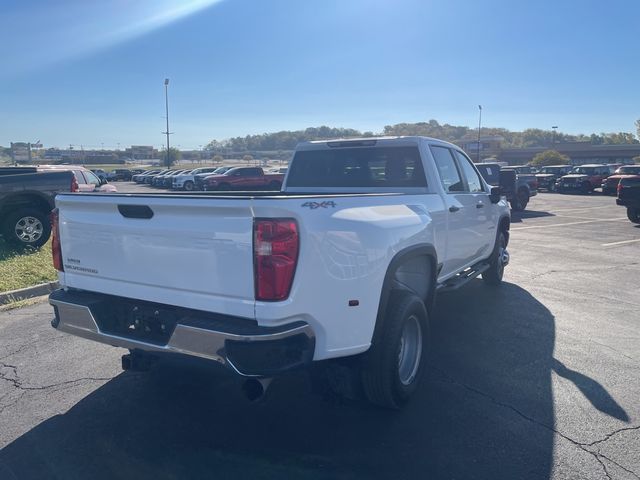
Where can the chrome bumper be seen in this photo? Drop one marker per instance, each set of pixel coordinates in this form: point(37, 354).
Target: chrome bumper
point(77, 318)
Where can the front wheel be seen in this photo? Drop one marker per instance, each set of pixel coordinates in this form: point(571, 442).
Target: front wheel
point(633, 214)
point(498, 260)
point(27, 228)
point(394, 364)
point(188, 186)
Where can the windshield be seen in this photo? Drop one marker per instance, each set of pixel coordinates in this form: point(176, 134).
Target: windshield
point(552, 169)
point(584, 170)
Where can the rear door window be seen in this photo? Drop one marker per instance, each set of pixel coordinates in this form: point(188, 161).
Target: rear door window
point(357, 167)
point(80, 177)
point(92, 178)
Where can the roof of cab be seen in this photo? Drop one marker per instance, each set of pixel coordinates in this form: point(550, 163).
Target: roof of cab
point(369, 141)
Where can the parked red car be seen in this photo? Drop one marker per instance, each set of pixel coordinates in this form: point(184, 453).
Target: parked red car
point(610, 184)
point(243, 178)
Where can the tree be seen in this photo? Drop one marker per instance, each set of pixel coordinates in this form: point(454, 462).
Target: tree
point(173, 157)
point(549, 157)
point(531, 137)
point(247, 158)
point(217, 159)
point(614, 138)
point(638, 127)
point(636, 159)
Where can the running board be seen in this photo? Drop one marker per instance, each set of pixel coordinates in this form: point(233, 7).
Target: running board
point(463, 277)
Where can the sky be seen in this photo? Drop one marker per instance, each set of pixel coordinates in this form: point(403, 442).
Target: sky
point(91, 73)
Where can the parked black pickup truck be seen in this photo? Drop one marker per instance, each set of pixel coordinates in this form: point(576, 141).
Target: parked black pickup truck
point(26, 199)
point(518, 188)
point(629, 196)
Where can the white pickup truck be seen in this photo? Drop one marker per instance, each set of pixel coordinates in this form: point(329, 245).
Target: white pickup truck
point(344, 262)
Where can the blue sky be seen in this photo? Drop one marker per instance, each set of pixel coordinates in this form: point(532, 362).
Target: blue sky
point(91, 73)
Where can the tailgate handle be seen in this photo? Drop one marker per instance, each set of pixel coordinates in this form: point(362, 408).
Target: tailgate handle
point(135, 211)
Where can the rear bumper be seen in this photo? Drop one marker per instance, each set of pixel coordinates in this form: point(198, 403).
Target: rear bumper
point(240, 344)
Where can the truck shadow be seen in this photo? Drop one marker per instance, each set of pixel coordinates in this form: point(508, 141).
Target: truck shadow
point(518, 217)
point(484, 411)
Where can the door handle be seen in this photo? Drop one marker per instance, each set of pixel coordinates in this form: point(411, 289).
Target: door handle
point(479, 205)
point(453, 208)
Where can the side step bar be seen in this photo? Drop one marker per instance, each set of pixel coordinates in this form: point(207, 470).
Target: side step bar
point(463, 277)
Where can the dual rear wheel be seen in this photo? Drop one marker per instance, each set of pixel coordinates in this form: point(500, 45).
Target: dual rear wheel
point(392, 368)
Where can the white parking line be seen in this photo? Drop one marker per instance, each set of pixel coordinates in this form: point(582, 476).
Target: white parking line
point(582, 208)
point(570, 223)
point(623, 242)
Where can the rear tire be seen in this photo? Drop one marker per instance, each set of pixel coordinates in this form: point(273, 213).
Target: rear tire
point(633, 214)
point(493, 276)
point(188, 186)
point(521, 200)
point(393, 366)
point(27, 227)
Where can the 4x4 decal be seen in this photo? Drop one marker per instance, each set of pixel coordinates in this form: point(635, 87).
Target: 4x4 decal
point(314, 205)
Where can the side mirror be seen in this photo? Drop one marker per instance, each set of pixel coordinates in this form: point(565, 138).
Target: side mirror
point(495, 194)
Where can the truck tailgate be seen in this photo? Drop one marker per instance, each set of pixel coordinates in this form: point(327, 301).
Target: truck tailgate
point(191, 252)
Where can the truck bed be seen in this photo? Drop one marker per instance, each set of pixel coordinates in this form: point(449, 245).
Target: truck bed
point(196, 251)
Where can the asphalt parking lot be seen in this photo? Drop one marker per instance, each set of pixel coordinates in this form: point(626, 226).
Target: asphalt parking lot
point(539, 378)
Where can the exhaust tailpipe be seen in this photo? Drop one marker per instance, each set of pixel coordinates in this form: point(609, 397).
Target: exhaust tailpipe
point(256, 388)
point(137, 363)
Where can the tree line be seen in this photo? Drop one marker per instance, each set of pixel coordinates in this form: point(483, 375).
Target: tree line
point(531, 137)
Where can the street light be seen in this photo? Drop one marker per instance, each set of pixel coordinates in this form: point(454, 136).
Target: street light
point(166, 106)
point(554, 128)
point(479, 126)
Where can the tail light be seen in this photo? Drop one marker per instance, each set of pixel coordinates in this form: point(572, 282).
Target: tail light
point(74, 183)
point(56, 248)
point(275, 257)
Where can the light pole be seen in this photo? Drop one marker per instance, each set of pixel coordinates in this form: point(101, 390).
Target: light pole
point(554, 128)
point(166, 106)
point(479, 126)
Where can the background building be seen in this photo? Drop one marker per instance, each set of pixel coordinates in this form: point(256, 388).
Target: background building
point(141, 152)
point(580, 153)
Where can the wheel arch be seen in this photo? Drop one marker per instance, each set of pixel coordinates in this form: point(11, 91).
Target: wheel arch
point(403, 274)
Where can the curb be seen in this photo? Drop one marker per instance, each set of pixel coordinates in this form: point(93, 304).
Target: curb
point(29, 292)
